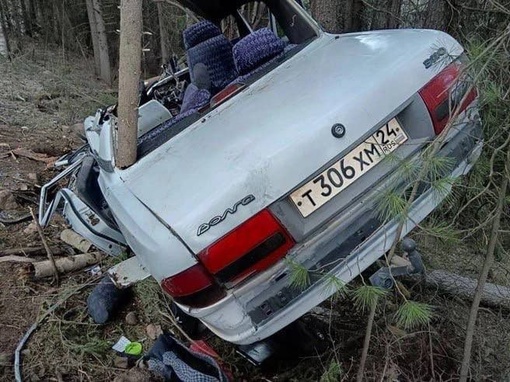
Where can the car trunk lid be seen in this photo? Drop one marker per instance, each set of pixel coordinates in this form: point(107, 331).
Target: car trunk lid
point(259, 146)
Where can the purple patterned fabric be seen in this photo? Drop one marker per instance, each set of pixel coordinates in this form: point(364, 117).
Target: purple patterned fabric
point(165, 125)
point(194, 98)
point(199, 32)
point(256, 49)
point(216, 55)
point(243, 79)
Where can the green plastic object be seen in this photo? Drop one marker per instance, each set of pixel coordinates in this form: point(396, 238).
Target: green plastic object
point(133, 348)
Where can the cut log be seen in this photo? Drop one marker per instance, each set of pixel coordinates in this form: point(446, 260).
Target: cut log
point(75, 240)
point(44, 269)
point(493, 295)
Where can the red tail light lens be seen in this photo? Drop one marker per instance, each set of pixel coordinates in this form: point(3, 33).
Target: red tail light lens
point(194, 287)
point(253, 246)
point(444, 92)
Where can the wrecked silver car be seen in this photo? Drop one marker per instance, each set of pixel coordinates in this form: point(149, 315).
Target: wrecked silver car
point(268, 150)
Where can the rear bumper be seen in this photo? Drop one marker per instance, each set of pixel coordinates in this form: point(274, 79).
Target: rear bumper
point(267, 303)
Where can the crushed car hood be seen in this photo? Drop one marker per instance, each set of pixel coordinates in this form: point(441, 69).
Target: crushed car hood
point(255, 148)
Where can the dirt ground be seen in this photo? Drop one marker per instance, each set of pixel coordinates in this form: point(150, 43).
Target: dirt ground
point(42, 97)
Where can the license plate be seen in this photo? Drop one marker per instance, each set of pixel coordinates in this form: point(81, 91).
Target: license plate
point(348, 169)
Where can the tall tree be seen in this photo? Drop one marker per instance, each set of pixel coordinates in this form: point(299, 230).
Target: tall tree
point(393, 19)
point(93, 35)
point(98, 28)
point(129, 77)
point(162, 34)
point(4, 38)
point(338, 16)
point(329, 14)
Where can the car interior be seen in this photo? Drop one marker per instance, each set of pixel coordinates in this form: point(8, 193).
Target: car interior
point(219, 67)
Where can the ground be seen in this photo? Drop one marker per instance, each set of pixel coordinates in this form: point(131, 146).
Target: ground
point(44, 95)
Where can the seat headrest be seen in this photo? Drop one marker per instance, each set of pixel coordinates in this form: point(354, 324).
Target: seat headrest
point(256, 49)
point(199, 32)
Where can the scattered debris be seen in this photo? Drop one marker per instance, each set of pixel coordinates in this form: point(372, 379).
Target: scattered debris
point(121, 344)
point(38, 157)
point(30, 251)
point(16, 220)
point(46, 246)
point(15, 259)
point(171, 359)
point(131, 318)
point(32, 176)
point(43, 269)
point(30, 229)
point(24, 339)
point(153, 331)
point(105, 300)
point(8, 201)
point(127, 347)
point(75, 240)
point(121, 362)
point(95, 270)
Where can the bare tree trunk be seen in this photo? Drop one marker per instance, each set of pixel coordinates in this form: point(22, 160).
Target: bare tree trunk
point(93, 35)
point(3, 31)
point(356, 16)
point(55, 24)
point(26, 20)
point(162, 35)
point(104, 55)
point(487, 265)
point(129, 76)
point(393, 20)
point(337, 16)
point(328, 13)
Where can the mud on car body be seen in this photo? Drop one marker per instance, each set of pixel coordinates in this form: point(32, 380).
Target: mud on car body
point(269, 145)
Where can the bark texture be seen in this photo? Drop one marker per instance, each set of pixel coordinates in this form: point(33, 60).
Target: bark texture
point(129, 76)
point(162, 35)
point(338, 16)
point(43, 269)
point(104, 55)
point(329, 14)
point(94, 37)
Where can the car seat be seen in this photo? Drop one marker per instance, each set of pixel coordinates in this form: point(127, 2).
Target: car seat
point(205, 44)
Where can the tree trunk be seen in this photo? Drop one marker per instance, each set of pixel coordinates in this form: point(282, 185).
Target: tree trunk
point(93, 35)
point(393, 19)
point(358, 8)
point(329, 14)
point(129, 76)
point(162, 35)
point(337, 16)
point(26, 19)
point(493, 295)
point(4, 38)
point(487, 265)
point(104, 55)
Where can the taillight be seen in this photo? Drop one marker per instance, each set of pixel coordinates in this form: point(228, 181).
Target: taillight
point(444, 92)
point(194, 287)
point(253, 246)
